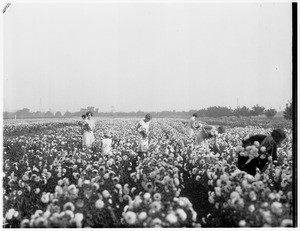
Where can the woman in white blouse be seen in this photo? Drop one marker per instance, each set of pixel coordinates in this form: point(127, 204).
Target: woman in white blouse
point(191, 125)
point(143, 130)
point(88, 135)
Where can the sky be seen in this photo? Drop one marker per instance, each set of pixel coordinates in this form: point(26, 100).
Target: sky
point(146, 56)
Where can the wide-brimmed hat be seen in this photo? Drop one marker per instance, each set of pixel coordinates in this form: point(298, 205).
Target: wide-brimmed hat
point(279, 133)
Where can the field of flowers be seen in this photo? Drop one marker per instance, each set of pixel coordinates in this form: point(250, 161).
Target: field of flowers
point(49, 181)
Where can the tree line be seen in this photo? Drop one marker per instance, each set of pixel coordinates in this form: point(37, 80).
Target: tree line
point(215, 112)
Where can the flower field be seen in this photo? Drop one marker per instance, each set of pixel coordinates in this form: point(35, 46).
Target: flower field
point(49, 181)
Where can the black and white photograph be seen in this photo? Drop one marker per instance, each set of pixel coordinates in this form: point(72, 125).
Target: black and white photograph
point(149, 114)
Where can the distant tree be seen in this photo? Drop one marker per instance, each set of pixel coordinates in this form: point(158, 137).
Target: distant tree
point(58, 114)
point(68, 114)
point(49, 114)
point(218, 111)
point(93, 110)
point(241, 111)
point(257, 110)
point(270, 113)
point(7, 115)
point(38, 114)
point(288, 112)
point(25, 112)
point(192, 111)
point(201, 113)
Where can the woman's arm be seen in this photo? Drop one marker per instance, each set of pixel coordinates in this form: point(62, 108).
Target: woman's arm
point(137, 127)
point(194, 125)
point(274, 152)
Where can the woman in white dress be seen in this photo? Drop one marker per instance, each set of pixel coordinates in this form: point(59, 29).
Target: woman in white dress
point(106, 144)
point(191, 127)
point(88, 135)
point(143, 130)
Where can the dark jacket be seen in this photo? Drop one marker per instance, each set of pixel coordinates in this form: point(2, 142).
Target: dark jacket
point(256, 162)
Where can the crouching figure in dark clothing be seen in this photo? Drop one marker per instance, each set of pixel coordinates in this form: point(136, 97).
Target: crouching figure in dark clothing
point(258, 150)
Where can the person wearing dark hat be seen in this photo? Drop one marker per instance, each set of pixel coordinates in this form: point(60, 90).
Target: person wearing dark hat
point(143, 130)
point(266, 151)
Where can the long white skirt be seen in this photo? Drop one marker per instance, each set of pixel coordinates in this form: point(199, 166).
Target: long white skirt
point(143, 144)
point(88, 138)
point(190, 132)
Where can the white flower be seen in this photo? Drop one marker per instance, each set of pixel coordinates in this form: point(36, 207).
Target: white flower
point(265, 204)
point(58, 190)
point(118, 186)
point(142, 216)
point(137, 201)
point(47, 214)
point(69, 213)
point(276, 208)
point(249, 177)
point(239, 149)
point(256, 143)
point(80, 182)
point(72, 189)
point(40, 222)
point(263, 149)
point(157, 196)
point(181, 214)
point(286, 223)
point(171, 218)
point(105, 194)
point(147, 196)
point(99, 204)
point(45, 197)
point(218, 191)
point(251, 208)
point(234, 195)
point(38, 213)
point(211, 200)
point(69, 206)
point(78, 217)
point(252, 195)
point(86, 182)
point(156, 222)
point(130, 217)
point(242, 223)
point(25, 223)
point(176, 181)
point(106, 176)
point(10, 214)
point(239, 189)
point(224, 178)
point(194, 214)
point(272, 196)
point(241, 202)
point(267, 216)
point(16, 214)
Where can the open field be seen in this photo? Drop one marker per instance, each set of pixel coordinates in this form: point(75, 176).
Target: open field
point(49, 181)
